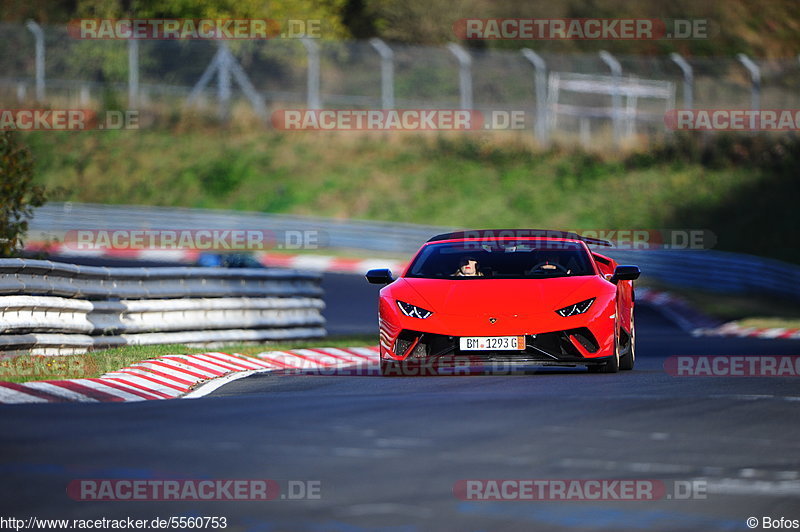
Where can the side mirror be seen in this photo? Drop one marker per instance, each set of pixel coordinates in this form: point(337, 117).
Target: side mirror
point(380, 276)
point(625, 273)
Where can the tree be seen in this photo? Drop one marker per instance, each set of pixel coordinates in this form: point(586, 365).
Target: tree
point(18, 194)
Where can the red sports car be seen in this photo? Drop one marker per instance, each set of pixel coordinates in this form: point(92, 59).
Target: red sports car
point(507, 299)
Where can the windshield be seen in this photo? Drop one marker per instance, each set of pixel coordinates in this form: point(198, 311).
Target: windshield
point(534, 259)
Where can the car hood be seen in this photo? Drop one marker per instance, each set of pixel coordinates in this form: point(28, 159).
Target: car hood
point(502, 297)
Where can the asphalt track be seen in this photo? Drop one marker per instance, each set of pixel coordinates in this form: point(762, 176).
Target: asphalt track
point(388, 452)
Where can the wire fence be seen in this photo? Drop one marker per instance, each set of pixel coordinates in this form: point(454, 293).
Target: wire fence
point(48, 66)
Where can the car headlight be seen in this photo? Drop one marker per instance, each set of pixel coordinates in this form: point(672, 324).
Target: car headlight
point(413, 311)
point(577, 308)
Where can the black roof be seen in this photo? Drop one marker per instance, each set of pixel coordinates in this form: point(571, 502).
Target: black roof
point(518, 233)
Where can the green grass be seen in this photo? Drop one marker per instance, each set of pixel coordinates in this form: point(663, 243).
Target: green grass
point(26, 368)
point(770, 323)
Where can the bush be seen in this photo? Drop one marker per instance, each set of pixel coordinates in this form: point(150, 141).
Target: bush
point(18, 194)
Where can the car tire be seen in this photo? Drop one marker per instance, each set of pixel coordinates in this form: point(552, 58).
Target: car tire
point(628, 359)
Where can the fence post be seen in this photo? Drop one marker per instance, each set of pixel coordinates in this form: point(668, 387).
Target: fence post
point(133, 73)
point(464, 74)
point(585, 132)
point(387, 72)
point(259, 108)
point(85, 96)
point(38, 35)
point(541, 94)
point(616, 97)
point(688, 79)
point(205, 78)
point(224, 82)
point(755, 77)
point(225, 67)
point(313, 80)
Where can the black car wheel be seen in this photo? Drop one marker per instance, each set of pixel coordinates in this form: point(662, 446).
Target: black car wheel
point(628, 359)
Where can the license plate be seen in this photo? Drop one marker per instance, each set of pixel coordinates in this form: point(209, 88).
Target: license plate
point(492, 343)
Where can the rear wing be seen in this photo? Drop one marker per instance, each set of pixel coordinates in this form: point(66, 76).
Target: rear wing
point(490, 234)
point(605, 264)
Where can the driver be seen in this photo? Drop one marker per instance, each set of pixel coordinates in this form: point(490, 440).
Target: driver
point(551, 263)
point(468, 268)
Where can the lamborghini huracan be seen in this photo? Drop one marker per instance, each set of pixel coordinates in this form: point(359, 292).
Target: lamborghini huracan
point(507, 299)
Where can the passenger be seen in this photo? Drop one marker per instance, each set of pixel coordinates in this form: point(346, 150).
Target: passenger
point(468, 268)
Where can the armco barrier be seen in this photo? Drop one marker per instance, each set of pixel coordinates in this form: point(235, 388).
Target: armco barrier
point(706, 269)
point(56, 219)
point(57, 308)
point(716, 271)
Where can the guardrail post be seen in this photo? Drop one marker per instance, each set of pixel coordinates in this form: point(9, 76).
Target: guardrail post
point(38, 35)
point(540, 83)
point(313, 79)
point(688, 79)
point(133, 73)
point(755, 77)
point(387, 72)
point(616, 97)
point(464, 74)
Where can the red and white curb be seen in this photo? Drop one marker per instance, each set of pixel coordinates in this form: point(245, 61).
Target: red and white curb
point(173, 376)
point(328, 264)
point(676, 309)
point(657, 297)
point(680, 311)
point(322, 263)
point(734, 329)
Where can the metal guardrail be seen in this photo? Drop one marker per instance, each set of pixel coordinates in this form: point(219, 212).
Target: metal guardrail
point(35, 277)
point(56, 308)
point(711, 270)
point(717, 271)
point(56, 219)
